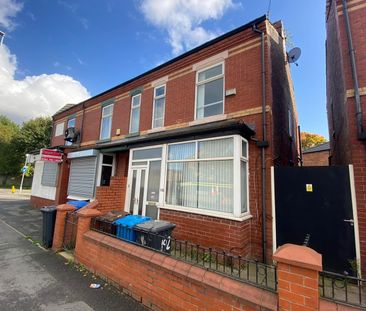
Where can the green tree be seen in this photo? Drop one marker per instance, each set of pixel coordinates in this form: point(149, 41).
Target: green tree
point(34, 135)
point(309, 140)
point(10, 161)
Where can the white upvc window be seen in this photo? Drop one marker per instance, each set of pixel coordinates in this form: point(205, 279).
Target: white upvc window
point(135, 113)
point(70, 123)
point(106, 122)
point(59, 129)
point(206, 176)
point(210, 91)
point(159, 106)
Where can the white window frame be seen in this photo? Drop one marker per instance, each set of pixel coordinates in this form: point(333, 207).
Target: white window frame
point(237, 158)
point(69, 143)
point(210, 80)
point(138, 106)
point(110, 115)
point(100, 165)
point(154, 101)
point(59, 129)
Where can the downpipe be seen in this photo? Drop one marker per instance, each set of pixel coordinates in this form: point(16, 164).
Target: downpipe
point(361, 135)
point(263, 144)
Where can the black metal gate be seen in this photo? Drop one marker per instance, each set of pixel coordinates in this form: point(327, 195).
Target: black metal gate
point(71, 223)
point(314, 204)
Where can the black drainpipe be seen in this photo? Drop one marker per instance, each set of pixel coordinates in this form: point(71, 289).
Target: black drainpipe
point(361, 135)
point(263, 144)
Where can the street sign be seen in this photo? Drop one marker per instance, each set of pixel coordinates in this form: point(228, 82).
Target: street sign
point(51, 155)
point(24, 169)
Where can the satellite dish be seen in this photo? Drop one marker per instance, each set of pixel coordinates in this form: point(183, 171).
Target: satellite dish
point(293, 55)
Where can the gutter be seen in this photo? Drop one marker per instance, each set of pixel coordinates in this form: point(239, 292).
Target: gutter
point(263, 144)
point(361, 135)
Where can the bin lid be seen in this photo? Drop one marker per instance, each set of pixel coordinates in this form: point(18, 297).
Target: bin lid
point(48, 209)
point(155, 226)
point(78, 204)
point(131, 220)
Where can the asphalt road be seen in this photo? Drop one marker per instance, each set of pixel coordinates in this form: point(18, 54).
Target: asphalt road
point(32, 278)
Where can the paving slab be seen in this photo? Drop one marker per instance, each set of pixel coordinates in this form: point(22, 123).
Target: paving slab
point(33, 278)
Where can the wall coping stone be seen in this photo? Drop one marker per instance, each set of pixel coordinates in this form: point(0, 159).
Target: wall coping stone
point(85, 213)
point(264, 298)
point(65, 208)
point(299, 256)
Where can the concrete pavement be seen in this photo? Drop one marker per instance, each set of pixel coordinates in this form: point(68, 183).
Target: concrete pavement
point(33, 278)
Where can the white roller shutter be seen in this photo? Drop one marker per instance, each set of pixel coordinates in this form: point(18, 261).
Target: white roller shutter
point(49, 174)
point(82, 177)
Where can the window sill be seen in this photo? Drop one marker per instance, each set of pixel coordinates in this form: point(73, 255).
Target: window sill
point(155, 130)
point(219, 117)
point(101, 141)
point(244, 217)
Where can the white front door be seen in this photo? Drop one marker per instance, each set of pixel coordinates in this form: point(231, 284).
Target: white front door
point(138, 191)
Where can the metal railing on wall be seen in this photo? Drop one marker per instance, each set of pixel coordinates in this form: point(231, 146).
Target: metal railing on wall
point(342, 288)
point(237, 267)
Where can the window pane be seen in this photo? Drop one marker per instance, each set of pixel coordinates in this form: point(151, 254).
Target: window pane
point(105, 177)
point(214, 91)
point(159, 112)
point(215, 186)
point(200, 101)
point(151, 153)
point(106, 130)
point(107, 110)
point(135, 120)
point(213, 110)
point(142, 188)
point(136, 100)
point(71, 123)
point(209, 73)
point(107, 159)
point(154, 181)
point(182, 184)
point(215, 148)
point(182, 151)
point(243, 186)
point(244, 152)
point(133, 186)
point(160, 91)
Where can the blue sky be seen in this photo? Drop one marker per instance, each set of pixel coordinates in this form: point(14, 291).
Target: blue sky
point(82, 48)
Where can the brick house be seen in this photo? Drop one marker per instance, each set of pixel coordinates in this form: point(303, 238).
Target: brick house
point(191, 141)
point(346, 103)
point(316, 156)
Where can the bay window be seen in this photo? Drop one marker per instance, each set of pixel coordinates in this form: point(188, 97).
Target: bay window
point(206, 176)
point(210, 92)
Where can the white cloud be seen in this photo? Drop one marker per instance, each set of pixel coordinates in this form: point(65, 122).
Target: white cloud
point(8, 10)
point(34, 96)
point(182, 19)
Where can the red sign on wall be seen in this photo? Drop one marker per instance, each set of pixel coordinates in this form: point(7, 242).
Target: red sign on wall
point(51, 155)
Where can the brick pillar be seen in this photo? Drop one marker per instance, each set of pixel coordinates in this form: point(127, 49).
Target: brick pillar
point(84, 218)
point(58, 236)
point(62, 182)
point(298, 275)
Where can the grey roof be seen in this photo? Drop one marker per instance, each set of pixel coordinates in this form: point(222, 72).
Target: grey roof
point(64, 108)
point(318, 148)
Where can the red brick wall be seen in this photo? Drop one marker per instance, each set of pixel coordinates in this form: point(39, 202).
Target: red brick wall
point(316, 158)
point(163, 283)
point(345, 147)
point(218, 233)
point(40, 202)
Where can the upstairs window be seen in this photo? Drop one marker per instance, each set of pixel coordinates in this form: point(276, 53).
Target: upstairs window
point(70, 123)
point(106, 123)
point(159, 107)
point(135, 113)
point(210, 92)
